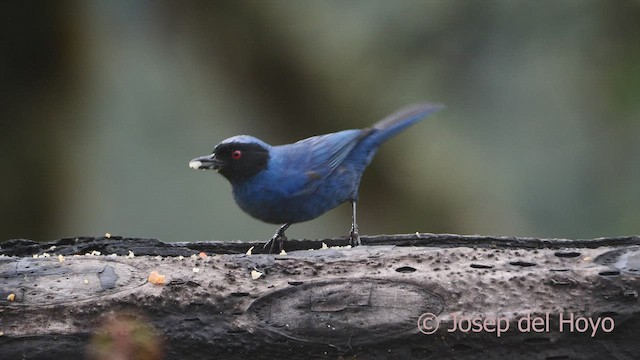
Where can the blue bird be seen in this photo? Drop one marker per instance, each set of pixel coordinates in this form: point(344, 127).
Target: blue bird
point(297, 182)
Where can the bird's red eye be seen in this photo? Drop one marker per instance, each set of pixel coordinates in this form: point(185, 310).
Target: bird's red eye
point(236, 155)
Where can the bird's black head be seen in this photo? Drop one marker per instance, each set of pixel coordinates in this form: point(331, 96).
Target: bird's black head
point(234, 159)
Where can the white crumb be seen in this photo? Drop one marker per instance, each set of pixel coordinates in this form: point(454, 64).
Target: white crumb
point(130, 255)
point(60, 258)
point(250, 249)
point(255, 275)
point(196, 269)
point(195, 164)
point(282, 252)
point(324, 246)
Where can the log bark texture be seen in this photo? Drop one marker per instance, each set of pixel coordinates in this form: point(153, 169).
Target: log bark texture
point(579, 298)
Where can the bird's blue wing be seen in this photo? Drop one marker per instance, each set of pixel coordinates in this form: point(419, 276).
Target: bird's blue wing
point(326, 152)
point(330, 150)
point(318, 157)
point(321, 155)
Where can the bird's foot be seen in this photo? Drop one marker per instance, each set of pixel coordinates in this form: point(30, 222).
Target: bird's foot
point(280, 239)
point(354, 237)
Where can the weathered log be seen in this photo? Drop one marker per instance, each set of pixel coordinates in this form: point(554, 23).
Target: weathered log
point(560, 299)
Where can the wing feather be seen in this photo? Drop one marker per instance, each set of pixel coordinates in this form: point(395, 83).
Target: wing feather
point(324, 154)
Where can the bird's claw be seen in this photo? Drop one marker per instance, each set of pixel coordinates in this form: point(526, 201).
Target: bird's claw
point(280, 239)
point(354, 238)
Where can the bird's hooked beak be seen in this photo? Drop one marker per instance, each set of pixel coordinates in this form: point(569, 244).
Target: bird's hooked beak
point(206, 162)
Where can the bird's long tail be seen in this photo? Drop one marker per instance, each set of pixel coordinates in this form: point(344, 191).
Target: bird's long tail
point(400, 120)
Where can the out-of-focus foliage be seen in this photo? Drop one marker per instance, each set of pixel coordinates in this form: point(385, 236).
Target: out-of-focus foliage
point(104, 102)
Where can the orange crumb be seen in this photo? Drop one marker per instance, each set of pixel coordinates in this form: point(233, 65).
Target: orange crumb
point(156, 278)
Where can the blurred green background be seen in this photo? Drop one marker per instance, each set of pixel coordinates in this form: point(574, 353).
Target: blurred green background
point(103, 104)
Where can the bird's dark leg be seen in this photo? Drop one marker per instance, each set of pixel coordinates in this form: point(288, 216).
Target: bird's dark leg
point(279, 237)
point(354, 237)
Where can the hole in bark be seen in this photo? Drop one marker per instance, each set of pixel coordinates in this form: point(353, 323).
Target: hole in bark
point(239, 294)
point(567, 254)
point(295, 283)
point(537, 340)
point(557, 357)
point(481, 266)
point(461, 347)
point(191, 283)
point(522, 263)
point(236, 331)
point(405, 269)
point(609, 273)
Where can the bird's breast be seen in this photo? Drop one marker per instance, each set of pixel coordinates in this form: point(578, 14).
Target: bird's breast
point(292, 197)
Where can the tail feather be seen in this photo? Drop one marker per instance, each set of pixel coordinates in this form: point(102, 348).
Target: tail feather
point(400, 120)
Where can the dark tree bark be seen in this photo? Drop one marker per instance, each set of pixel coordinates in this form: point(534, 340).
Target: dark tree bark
point(560, 299)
